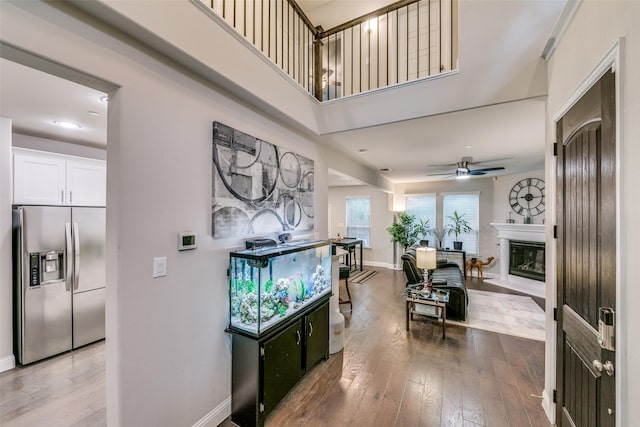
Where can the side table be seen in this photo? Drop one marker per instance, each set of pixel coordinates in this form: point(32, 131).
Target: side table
point(415, 295)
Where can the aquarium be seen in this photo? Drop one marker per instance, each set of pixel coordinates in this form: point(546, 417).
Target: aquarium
point(269, 285)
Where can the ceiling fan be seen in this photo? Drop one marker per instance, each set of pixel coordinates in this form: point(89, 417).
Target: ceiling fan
point(463, 171)
point(326, 78)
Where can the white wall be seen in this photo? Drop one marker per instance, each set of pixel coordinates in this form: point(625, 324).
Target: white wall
point(168, 357)
point(7, 360)
point(501, 188)
point(55, 146)
point(380, 253)
point(592, 33)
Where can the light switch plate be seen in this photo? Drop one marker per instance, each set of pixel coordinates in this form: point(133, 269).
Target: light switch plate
point(160, 266)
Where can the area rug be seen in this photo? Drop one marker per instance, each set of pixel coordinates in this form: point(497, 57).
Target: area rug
point(362, 276)
point(507, 314)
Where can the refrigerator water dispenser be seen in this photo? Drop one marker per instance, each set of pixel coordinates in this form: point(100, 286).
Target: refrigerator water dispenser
point(46, 267)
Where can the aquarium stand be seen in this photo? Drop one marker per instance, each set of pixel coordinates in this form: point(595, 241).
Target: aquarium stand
point(265, 368)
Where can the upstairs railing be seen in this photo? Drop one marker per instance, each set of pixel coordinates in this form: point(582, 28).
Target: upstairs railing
point(405, 41)
point(279, 29)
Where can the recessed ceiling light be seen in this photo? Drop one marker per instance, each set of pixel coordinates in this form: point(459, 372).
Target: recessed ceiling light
point(468, 146)
point(93, 113)
point(104, 99)
point(67, 125)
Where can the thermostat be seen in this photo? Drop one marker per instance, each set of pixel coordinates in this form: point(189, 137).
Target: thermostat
point(186, 240)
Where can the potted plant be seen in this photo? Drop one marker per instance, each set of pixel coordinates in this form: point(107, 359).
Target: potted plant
point(404, 231)
point(457, 226)
point(422, 227)
point(439, 234)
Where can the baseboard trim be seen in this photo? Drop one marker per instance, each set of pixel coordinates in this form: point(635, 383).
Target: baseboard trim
point(7, 363)
point(216, 416)
point(379, 264)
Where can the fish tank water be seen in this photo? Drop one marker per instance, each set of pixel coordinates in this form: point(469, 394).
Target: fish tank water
point(269, 285)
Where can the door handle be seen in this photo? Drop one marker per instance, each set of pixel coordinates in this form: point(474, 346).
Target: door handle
point(310, 329)
point(68, 261)
point(76, 256)
point(607, 367)
point(298, 338)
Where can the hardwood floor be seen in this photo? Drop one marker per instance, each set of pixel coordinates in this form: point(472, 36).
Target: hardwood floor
point(385, 376)
point(66, 390)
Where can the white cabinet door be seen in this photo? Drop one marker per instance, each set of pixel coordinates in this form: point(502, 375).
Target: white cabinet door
point(38, 178)
point(86, 182)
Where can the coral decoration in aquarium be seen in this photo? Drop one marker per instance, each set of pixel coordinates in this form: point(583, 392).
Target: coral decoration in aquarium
point(266, 290)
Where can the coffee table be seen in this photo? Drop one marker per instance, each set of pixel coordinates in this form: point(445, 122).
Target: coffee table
point(418, 295)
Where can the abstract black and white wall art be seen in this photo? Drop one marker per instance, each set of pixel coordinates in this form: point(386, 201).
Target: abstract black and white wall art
point(258, 188)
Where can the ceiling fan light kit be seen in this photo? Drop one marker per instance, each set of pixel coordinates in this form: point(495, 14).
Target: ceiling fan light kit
point(462, 170)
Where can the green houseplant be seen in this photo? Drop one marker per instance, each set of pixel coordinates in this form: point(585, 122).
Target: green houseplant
point(439, 234)
point(422, 227)
point(457, 226)
point(404, 231)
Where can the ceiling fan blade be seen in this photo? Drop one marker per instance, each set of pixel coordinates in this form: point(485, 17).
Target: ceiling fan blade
point(491, 160)
point(440, 174)
point(483, 171)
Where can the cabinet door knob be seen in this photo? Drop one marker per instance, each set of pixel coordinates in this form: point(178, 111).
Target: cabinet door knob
point(298, 338)
point(310, 329)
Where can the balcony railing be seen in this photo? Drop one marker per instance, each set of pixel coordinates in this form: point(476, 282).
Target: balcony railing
point(405, 41)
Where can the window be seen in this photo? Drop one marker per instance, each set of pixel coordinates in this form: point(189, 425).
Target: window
point(469, 205)
point(359, 218)
point(423, 207)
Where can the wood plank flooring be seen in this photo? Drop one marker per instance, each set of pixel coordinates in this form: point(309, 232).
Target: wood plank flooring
point(385, 376)
point(63, 391)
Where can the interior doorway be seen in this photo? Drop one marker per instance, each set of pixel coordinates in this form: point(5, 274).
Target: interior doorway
point(55, 110)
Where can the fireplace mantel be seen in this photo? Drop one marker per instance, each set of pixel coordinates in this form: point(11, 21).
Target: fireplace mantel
point(525, 232)
point(522, 232)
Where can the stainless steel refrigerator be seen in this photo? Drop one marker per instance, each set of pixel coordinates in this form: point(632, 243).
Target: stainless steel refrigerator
point(59, 279)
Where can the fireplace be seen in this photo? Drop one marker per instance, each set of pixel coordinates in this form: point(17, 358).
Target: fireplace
point(526, 259)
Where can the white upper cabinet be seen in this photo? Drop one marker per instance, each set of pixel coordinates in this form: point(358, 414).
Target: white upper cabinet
point(41, 178)
point(38, 178)
point(86, 182)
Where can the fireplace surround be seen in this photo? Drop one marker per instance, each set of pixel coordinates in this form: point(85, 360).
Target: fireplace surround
point(530, 233)
point(526, 259)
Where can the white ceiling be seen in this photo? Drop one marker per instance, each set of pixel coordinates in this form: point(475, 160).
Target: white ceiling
point(33, 100)
point(512, 131)
point(331, 13)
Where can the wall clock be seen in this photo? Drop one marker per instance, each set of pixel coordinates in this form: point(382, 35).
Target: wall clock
point(527, 197)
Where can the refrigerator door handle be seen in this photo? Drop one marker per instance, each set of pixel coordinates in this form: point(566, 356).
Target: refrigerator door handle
point(68, 262)
point(76, 256)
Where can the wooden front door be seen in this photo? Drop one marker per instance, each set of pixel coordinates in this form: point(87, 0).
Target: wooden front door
point(586, 258)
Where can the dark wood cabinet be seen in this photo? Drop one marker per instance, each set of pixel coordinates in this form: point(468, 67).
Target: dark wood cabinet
point(283, 364)
point(266, 368)
point(317, 336)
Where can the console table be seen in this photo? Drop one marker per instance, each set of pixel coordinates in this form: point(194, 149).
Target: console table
point(349, 245)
